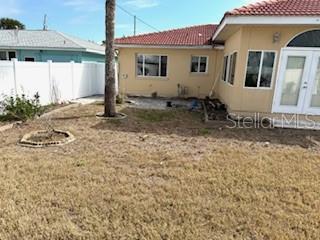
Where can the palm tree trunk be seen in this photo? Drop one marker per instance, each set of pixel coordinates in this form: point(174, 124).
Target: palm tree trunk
point(110, 85)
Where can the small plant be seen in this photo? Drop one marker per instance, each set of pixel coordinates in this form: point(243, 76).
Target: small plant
point(119, 99)
point(21, 107)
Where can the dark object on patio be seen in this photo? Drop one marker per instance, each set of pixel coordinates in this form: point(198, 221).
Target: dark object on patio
point(194, 105)
point(215, 109)
point(154, 95)
point(169, 104)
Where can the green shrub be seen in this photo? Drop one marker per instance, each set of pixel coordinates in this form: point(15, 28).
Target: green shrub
point(21, 107)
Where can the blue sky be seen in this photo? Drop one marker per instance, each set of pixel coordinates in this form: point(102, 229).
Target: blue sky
point(85, 18)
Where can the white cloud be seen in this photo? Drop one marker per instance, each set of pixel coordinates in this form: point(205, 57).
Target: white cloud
point(10, 8)
point(142, 3)
point(85, 5)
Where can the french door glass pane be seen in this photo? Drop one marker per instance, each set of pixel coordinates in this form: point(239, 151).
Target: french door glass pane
point(292, 81)
point(315, 100)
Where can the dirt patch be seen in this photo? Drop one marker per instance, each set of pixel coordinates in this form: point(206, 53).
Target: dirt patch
point(169, 178)
point(47, 136)
point(4, 123)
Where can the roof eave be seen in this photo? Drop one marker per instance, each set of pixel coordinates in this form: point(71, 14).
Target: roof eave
point(265, 20)
point(53, 49)
point(42, 48)
point(96, 51)
point(163, 46)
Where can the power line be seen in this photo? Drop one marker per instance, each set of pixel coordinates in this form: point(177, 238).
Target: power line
point(137, 18)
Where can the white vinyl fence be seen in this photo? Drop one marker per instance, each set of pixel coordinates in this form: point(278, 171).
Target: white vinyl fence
point(55, 82)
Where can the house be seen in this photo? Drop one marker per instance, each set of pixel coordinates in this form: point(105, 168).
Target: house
point(261, 58)
point(44, 45)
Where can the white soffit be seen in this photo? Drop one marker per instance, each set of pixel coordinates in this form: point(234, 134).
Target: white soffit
point(266, 20)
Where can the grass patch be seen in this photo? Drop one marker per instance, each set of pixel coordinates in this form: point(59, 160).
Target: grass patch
point(154, 116)
point(204, 131)
point(142, 180)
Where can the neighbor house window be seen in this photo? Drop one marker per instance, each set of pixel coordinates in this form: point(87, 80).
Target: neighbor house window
point(229, 68)
point(11, 55)
point(29, 59)
point(260, 69)
point(7, 55)
point(199, 64)
point(152, 65)
point(3, 56)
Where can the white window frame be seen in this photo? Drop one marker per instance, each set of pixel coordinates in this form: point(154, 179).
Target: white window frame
point(260, 69)
point(228, 67)
point(143, 66)
point(7, 53)
point(199, 63)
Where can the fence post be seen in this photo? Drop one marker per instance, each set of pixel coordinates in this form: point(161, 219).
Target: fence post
point(72, 79)
point(96, 89)
point(50, 82)
point(93, 81)
point(14, 62)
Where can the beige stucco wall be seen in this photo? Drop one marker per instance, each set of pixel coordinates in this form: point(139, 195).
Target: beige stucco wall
point(238, 98)
point(179, 64)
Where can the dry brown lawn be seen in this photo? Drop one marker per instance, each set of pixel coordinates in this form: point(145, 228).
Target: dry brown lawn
point(159, 175)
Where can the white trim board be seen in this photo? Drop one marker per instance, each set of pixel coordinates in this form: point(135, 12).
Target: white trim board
point(51, 49)
point(266, 20)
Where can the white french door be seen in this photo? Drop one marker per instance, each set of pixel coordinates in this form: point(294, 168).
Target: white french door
point(312, 102)
point(298, 85)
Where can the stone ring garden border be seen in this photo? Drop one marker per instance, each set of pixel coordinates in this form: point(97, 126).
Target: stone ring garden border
point(119, 116)
point(26, 142)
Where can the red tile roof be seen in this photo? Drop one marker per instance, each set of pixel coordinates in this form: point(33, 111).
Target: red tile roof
point(279, 8)
point(201, 35)
point(189, 36)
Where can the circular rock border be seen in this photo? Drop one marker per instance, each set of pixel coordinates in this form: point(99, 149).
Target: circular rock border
point(119, 116)
point(25, 142)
